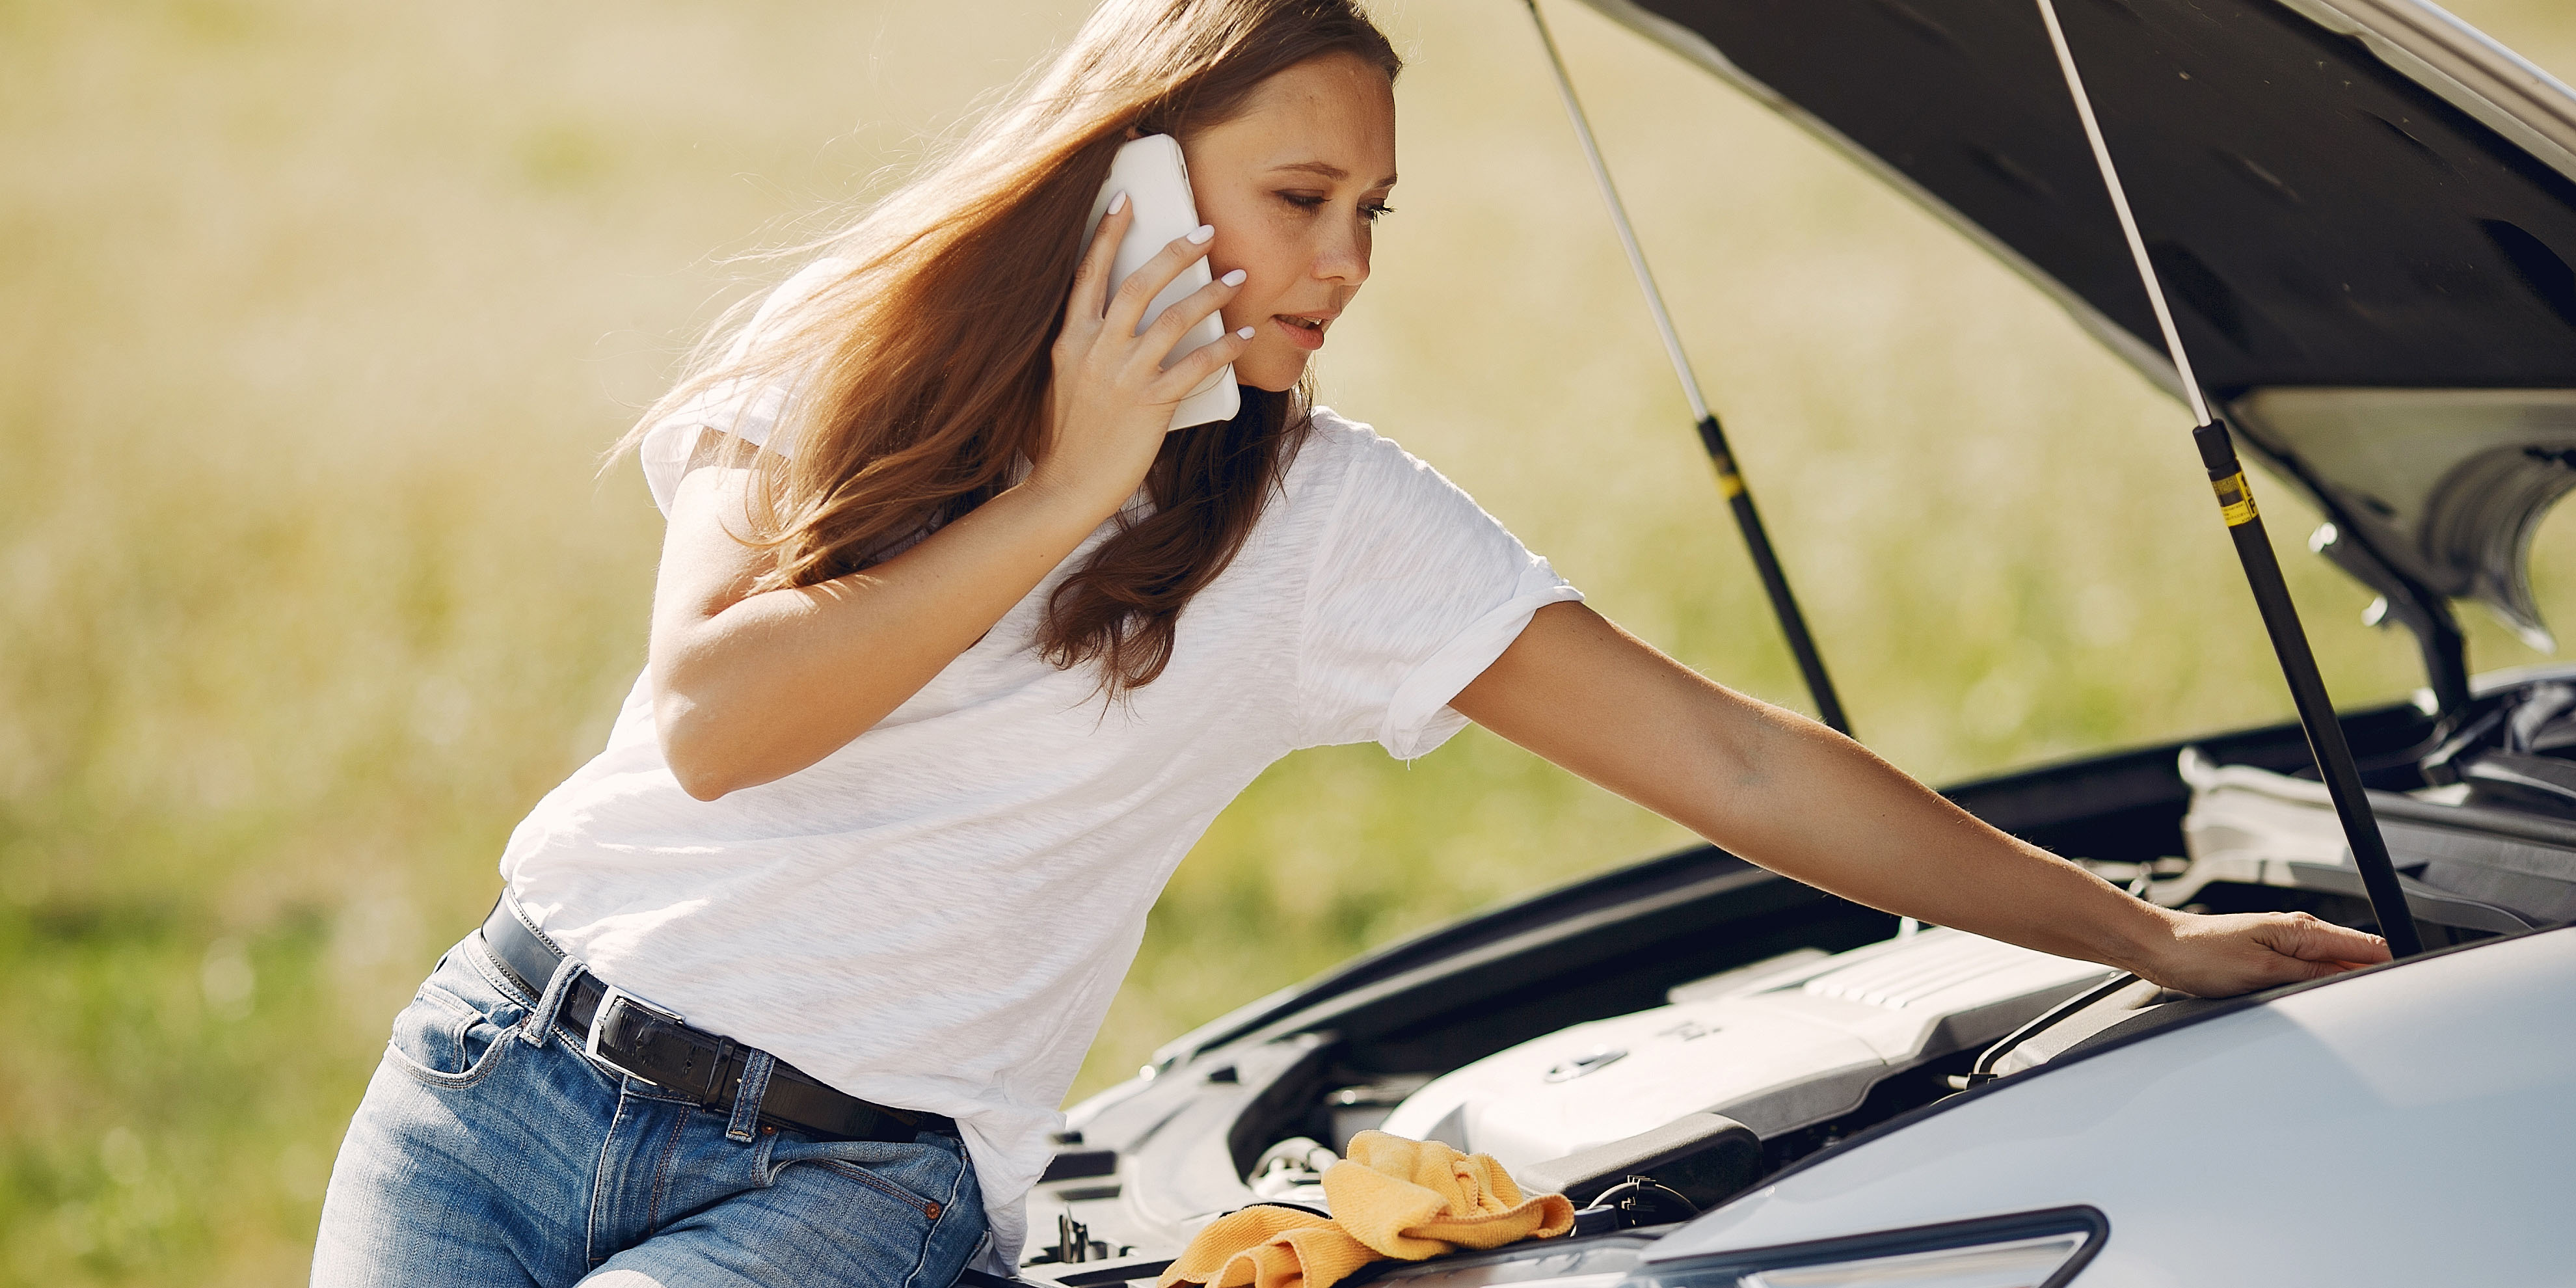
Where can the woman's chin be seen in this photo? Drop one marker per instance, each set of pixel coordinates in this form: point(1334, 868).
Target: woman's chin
point(1275, 374)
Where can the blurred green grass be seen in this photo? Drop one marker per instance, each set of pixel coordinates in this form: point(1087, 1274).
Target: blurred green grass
point(313, 320)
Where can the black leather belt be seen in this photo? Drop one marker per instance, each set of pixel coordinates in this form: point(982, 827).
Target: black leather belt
point(643, 1041)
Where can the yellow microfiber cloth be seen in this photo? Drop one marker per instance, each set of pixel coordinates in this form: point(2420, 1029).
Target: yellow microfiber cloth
point(1392, 1197)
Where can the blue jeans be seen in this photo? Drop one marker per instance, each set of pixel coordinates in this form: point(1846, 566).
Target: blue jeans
point(490, 1151)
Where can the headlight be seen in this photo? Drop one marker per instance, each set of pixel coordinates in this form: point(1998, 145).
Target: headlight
point(2031, 1250)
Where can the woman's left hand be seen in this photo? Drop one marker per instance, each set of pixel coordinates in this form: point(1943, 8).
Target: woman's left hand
point(2223, 955)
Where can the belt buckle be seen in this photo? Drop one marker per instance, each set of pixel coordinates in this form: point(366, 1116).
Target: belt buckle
point(608, 1001)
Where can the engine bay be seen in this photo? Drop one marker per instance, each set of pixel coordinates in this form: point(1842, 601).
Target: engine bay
point(1701, 1024)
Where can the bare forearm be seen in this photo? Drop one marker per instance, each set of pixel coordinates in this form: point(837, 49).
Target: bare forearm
point(771, 683)
point(1804, 801)
point(1811, 804)
point(1787, 793)
point(752, 688)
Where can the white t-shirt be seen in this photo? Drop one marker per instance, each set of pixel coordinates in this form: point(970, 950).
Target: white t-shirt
point(936, 915)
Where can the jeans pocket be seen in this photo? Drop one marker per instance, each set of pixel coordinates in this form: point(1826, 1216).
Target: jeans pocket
point(442, 1040)
point(930, 1208)
point(922, 1178)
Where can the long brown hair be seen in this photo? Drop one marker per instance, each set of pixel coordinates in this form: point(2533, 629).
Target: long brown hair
point(919, 373)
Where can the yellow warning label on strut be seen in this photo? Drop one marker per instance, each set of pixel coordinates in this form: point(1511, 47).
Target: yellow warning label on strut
point(2235, 500)
point(1728, 481)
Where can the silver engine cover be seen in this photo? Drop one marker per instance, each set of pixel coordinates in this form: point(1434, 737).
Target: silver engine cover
point(1782, 1049)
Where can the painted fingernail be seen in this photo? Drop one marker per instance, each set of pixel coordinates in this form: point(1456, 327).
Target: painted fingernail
point(1118, 203)
point(1199, 235)
point(1244, 334)
point(1234, 278)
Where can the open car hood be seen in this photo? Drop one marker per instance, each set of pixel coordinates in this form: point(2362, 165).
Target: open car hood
point(2366, 209)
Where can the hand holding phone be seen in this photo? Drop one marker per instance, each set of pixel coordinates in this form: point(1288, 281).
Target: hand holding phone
point(1157, 183)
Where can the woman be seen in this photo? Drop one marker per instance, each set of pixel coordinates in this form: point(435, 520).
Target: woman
point(955, 652)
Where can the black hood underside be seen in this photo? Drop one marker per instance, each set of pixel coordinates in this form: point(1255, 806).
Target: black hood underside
point(2362, 209)
point(2321, 219)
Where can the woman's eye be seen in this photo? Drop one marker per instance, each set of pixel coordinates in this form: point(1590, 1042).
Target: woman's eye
point(1317, 201)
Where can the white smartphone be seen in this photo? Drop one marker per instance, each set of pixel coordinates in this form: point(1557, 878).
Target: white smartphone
point(1149, 170)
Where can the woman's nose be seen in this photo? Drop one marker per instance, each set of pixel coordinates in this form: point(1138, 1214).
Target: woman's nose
point(1343, 259)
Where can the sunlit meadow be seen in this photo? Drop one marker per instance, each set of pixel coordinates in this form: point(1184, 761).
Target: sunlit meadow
point(315, 319)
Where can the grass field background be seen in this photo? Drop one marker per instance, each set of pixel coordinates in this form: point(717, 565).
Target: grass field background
point(315, 318)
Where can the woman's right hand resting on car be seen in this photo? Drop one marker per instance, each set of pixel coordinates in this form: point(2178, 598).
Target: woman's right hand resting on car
point(749, 688)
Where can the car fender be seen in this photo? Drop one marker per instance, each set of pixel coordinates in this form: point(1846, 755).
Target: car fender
point(2413, 1124)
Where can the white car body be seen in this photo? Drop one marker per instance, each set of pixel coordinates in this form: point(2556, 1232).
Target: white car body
point(2411, 1125)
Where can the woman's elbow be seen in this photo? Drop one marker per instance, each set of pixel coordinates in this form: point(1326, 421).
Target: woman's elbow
point(702, 777)
point(701, 783)
point(695, 757)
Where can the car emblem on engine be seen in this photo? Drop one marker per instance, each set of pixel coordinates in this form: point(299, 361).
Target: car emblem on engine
point(1599, 1058)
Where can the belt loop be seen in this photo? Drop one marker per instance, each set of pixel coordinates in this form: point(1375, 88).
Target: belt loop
point(746, 1100)
point(542, 1020)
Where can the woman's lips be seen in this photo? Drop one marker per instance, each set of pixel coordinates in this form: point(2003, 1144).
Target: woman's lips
point(1300, 332)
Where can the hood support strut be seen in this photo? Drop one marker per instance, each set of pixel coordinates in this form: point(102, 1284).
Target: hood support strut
point(1739, 496)
point(2262, 568)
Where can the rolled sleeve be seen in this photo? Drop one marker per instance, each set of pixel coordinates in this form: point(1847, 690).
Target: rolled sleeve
point(751, 410)
point(1414, 592)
